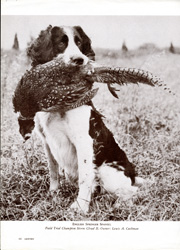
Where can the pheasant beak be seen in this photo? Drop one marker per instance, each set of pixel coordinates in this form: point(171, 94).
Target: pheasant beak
point(90, 72)
point(90, 67)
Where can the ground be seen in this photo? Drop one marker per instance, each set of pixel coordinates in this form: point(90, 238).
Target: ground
point(145, 122)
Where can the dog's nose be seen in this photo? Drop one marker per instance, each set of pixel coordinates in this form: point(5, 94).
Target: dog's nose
point(77, 60)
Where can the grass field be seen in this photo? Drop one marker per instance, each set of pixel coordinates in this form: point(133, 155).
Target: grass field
point(145, 122)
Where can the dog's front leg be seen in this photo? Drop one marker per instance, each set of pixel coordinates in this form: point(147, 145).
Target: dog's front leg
point(84, 148)
point(86, 173)
point(53, 169)
point(52, 163)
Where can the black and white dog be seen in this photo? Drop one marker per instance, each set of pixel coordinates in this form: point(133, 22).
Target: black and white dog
point(79, 144)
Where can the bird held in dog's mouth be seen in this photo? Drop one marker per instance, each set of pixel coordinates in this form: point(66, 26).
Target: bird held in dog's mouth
point(56, 86)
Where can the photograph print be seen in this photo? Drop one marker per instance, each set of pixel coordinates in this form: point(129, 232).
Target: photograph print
point(90, 118)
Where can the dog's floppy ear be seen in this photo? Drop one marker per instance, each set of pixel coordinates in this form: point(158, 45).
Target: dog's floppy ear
point(86, 43)
point(41, 50)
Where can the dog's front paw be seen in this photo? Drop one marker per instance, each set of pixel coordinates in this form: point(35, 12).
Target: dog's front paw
point(139, 181)
point(80, 206)
point(54, 184)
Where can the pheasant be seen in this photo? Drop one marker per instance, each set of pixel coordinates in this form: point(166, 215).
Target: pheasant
point(57, 86)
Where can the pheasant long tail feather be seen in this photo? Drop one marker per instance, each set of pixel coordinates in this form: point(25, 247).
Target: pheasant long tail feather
point(125, 75)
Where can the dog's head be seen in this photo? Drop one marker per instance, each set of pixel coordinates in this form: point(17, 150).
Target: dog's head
point(70, 43)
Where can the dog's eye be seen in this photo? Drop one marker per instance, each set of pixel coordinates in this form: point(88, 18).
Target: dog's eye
point(77, 41)
point(64, 39)
point(61, 44)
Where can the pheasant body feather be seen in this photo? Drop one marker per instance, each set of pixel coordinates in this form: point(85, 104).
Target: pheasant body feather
point(52, 86)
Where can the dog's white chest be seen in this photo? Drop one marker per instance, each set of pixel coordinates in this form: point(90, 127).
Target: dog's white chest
point(64, 134)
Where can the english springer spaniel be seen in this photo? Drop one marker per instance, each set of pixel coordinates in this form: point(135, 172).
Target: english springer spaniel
point(78, 143)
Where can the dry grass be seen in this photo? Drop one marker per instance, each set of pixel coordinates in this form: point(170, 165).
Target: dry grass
point(145, 122)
